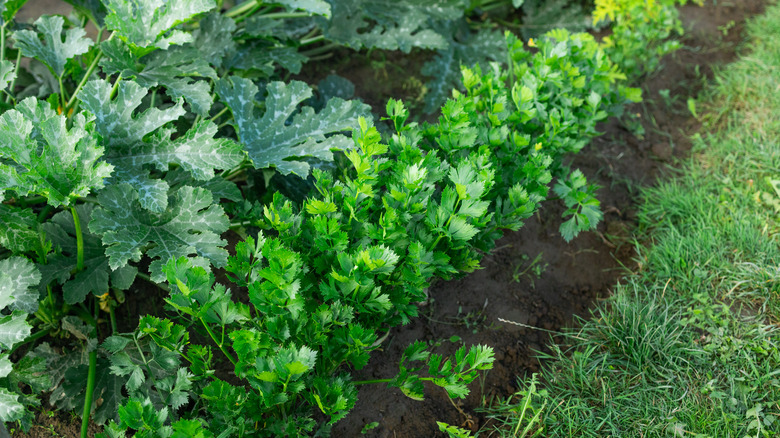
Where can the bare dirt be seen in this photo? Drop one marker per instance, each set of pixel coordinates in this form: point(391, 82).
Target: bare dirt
point(542, 296)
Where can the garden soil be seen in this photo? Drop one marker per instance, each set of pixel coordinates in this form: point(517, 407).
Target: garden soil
point(533, 284)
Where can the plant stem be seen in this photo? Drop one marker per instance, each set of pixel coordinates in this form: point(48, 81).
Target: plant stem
point(370, 382)
point(116, 86)
point(240, 224)
point(319, 50)
point(2, 41)
point(84, 80)
point(11, 87)
point(219, 344)
point(63, 99)
point(219, 114)
point(143, 276)
point(113, 318)
point(282, 15)
point(90, 390)
point(240, 9)
point(79, 240)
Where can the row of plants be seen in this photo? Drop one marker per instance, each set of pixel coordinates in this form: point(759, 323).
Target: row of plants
point(119, 160)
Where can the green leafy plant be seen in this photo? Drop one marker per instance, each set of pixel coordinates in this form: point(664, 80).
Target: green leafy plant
point(639, 25)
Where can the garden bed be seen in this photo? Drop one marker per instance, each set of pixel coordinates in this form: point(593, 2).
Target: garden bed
point(535, 296)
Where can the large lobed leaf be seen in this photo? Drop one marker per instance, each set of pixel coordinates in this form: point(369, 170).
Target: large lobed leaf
point(283, 134)
point(18, 229)
point(53, 50)
point(135, 141)
point(464, 49)
point(397, 24)
point(189, 226)
point(176, 69)
point(18, 277)
point(40, 155)
point(145, 23)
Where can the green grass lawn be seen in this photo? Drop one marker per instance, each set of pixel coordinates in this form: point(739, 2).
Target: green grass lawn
point(688, 346)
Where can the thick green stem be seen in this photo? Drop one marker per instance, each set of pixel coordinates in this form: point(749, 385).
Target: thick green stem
point(281, 15)
point(11, 87)
point(143, 276)
point(2, 41)
point(240, 9)
point(312, 40)
point(90, 390)
point(116, 86)
point(63, 99)
point(79, 240)
point(113, 318)
point(370, 382)
point(219, 114)
point(219, 344)
point(84, 80)
point(319, 50)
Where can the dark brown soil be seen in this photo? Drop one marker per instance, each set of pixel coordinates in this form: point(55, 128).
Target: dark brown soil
point(506, 304)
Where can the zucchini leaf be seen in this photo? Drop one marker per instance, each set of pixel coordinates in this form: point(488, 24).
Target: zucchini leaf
point(283, 134)
point(40, 155)
point(53, 50)
point(145, 23)
point(18, 229)
point(175, 69)
point(7, 73)
point(397, 24)
point(190, 225)
point(463, 48)
point(95, 276)
point(18, 277)
point(135, 141)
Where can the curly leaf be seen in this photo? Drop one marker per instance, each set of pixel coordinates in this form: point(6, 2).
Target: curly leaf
point(53, 50)
point(271, 141)
point(39, 154)
point(7, 73)
point(10, 408)
point(398, 24)
point(13, 329)
point(175, 69)
point(17, 278)
point(145, 23)
point(214, 37)
point(190, 225)
point(123, 133)
point(317, 7)
point(18, 229)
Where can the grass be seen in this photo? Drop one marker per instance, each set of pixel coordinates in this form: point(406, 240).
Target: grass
point(687, 346)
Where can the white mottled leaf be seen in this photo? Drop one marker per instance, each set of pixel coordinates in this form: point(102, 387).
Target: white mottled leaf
point(18, 277)
point(283, 133)
point(53, 50)
point(13, 329)
point(10, 408)
point(191, 225)
point(145, 23)
point(7, 73)
point(40, 154)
